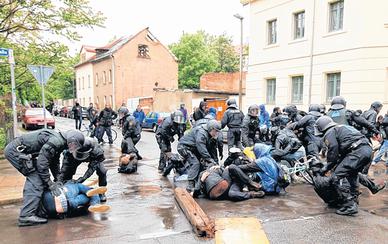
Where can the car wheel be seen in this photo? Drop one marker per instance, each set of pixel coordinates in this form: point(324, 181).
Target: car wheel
point(23, 126)
point(155, 128)
point(53, 127)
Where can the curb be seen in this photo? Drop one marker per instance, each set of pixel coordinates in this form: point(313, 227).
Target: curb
point(10, 201)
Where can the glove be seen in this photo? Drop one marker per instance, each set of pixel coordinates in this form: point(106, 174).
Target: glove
point(55, 188)
point(323, 170)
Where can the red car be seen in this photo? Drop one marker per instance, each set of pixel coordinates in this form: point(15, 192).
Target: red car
point(33, 118)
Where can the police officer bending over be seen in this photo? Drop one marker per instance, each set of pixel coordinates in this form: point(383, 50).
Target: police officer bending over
point(349, 151)
point(33, 155)
point(90, 152)
point(132, 133)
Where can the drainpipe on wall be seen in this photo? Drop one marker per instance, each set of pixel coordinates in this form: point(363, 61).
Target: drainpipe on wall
point(113, 83)
point(312, 54)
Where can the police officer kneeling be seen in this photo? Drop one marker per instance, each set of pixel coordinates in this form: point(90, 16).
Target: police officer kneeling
point(349, 151)
point(33, 155)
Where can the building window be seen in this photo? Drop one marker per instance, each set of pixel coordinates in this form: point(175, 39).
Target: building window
point(104, 100)
point(83, 57)
point(97, 100)
point(88, 81)
point(299, 25)
point(83, 83)
point(143, 51)
point(333, 85)
point(96, 79)
point(90, 100)
point(336, 15)
point(110, 76)
point(111, 100)
point(272, 32)
point(271, 91)
point(104, 77)
point(79, 83)
point(297, 89)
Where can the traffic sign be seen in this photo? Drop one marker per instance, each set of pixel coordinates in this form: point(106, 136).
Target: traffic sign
point(41, 73)
point(4, 52)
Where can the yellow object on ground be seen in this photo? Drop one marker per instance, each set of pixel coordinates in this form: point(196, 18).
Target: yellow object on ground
point(240, 230)
point(248, 151)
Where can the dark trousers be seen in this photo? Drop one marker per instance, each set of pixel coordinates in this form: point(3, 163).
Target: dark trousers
point(193, 160)
point(33, 187)
point(102, 130)
point(237, 179)
point(128, 145)
point(165, 147)
point(234, 138)
point(348, 168)
point(78, 122)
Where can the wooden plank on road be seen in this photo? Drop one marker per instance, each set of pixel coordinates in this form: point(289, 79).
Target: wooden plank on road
point(240, 230)
point(202, 224)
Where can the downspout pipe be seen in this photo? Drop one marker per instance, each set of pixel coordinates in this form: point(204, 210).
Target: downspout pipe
point(312, 54)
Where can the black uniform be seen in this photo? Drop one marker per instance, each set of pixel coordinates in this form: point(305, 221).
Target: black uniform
point(105, 119)
point(233, 118)
point(132, 133)
point(164, 136)
point(310, 142)
point(95, 159)
point(77, 114)
point(194, 146)
point(371, 116)
point(350, 151)
point(286, 145)
point(216, 143)
point(249, 129)
point(44, 147)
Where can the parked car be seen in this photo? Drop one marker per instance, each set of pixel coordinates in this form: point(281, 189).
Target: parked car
point(64, 112)
point(84, 113)
point(153, 120)
point(33, 119)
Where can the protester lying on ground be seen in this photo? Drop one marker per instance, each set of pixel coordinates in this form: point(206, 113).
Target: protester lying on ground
point(74, 199)
point(218, 183)
point(128, 163)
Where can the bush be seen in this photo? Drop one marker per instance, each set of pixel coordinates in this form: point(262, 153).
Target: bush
point(3, 139)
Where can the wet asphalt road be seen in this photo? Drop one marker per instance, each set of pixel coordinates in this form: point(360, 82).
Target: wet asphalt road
point(144, 211)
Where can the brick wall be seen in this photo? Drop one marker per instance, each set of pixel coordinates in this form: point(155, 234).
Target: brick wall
point(228, 82)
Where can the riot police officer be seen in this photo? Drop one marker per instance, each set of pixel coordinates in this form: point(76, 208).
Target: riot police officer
point(90, 152)
point(233, 118)
point(132, 134)
point(350, 152)
point(250, 127)
point(105, 121)
point(196, 146)
point(306, 124)
point(34, 155)
point(170, 126)
point(292, 112)
point(371, 116)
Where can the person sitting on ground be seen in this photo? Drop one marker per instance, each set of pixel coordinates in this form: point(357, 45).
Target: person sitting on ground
point(218, 183)
point(128, 163)
point(73, 200)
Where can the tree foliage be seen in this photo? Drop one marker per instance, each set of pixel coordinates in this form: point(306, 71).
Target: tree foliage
point(30, 28)
point(201, 53)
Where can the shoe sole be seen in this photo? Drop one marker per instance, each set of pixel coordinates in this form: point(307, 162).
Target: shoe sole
point(99, 208)
point(24, 224)
point(96, 191)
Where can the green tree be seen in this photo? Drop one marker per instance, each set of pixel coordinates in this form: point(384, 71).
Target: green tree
point(195, 58)
point(227, 58)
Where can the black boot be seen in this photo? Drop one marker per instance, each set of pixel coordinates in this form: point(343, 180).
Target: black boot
point(167, 169)
point(102, 197)
point(31, 220)
point(256, 194)
point(378, 188)
point(138, 156)
point(190, 187)
point(348, 210)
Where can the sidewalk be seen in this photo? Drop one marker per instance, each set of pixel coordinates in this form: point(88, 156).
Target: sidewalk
point(11, 184)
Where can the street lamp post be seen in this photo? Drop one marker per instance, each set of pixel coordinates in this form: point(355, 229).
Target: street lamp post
point(238, 16)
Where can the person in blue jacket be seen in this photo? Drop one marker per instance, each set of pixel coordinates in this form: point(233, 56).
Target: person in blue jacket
point(139, 115)
point(264, 123)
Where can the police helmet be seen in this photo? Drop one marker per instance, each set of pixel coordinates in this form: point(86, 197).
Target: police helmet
point(213, 125)
point(376, 105)
point(253, 110)
point(75, 140)
point(291, 110)
point(84, 152)
point(232, 103)
point(323, 124)
point(125, 111)
point(322, 108)
point(314, 109)
point(338, 102)
point(178, 117)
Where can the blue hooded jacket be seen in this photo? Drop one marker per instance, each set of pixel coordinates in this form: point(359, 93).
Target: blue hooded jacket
point(269, 176)
point(264, 116)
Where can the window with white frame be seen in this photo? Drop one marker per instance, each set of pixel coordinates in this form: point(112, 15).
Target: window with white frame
point(297, 89)
point(96, 79)
point(271, 91)
point(83, 83)
point(272, 35)
point(336, 15)
point(299, 25)
point(333, 86)
point(110, 76)
point(88, 81)
point(104, 77)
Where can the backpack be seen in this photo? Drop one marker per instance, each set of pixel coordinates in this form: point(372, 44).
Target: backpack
point(273, 178)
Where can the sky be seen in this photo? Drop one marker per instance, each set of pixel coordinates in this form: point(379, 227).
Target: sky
point(167, 19)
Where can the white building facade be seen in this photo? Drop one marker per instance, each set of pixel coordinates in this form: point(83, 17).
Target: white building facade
point(84, 77)
point(307, 51)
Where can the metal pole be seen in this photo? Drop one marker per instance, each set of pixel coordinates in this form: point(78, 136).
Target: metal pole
point(241, 66)
point(113, 83)
point(44, 107)
point(312, 55)
point(14, 112)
